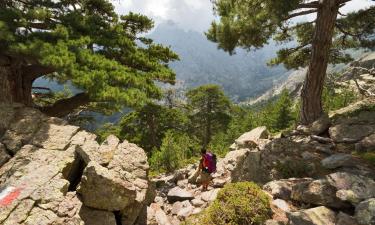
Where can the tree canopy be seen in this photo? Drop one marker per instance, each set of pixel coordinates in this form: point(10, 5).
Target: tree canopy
point(86, 43)
point(250, 24)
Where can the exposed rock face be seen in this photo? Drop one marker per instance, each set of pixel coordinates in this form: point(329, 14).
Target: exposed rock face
point(338, 160)
point(251, 138)
point(314, 216)
point(365, 212)
point(44, 161)
point(178, 194)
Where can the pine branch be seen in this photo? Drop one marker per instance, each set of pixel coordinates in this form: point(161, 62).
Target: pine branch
point(306, 12)
point(64, 107)
point(33, 72)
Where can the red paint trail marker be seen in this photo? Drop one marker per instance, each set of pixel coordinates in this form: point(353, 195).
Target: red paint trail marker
point(8, 195)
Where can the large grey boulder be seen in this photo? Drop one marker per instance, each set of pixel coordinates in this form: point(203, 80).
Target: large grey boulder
point(178, 194)
point(317, 192)
point(314, 216)
point(345, 219)
point(317, 127)
point(49, 157)
point(283, 188)
point(365, 212)
point(100, 188)
point(367, 144)
point(354, 128)
point(251, 138)
point(352, 188)
point(338, 160)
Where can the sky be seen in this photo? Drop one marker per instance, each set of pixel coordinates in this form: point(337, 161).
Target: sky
point(194, 15)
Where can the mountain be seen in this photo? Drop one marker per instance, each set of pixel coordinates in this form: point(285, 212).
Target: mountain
point(242, 75)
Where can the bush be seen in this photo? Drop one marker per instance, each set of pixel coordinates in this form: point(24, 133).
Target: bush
point(236, 204)
point(175, 151)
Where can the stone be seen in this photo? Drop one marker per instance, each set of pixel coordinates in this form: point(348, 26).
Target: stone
point(365, 212)
point(185, 212)
point(177, 194)
point(102, 189)
point(22, 128)
point(345, 219)
point(54, 137)
point(320, 139)
point(210, 196)
point(338, 160)
point(318, 127)
point(87, 147)
point(352, 188)
point(251, 138)
point(107, 149)
point(155, 213)
point(367, 144)
point(317, 192)
point(97, 217)
point(314, 216)
point(178, 206)
point(283, 188)
point(4, 156)
point(281, 204)
point(274, 222)
point(197, 202)
point(308, 156)
point(353, 129)
point(219, 182)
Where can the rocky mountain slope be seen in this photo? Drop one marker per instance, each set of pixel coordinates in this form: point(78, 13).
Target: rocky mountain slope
point(294, 81)
point(331, 185)
point(242, 75)
point(55, 173)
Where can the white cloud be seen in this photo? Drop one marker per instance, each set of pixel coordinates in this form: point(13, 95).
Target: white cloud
point(194, 14)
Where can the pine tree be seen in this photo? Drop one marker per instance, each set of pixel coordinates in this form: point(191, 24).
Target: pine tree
point(83, 42)
point(209, 111)
point(251, 23)
point(283, 111)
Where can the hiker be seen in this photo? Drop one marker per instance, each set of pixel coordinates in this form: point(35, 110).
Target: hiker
point(207, 166)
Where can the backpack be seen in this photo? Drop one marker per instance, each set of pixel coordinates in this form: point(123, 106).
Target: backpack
point(209, 162)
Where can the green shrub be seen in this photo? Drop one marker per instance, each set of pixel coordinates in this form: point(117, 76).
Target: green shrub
point(242, 203)
point(369, 157)
point(292, 168)
point(176, 150)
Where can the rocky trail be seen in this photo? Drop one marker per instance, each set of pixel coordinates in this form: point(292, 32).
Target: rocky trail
point(332, 187)
point(55, 173)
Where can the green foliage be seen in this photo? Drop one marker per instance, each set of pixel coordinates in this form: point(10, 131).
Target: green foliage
point(176, 149)
point(334, 97)
point(250, 24)
point(88, 44)
point(292, 168)
point(369, 157)
point(209, 111)
point(236, 204)
point(147, 125)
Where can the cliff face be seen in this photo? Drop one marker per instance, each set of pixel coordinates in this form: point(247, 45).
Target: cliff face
point(55, 173)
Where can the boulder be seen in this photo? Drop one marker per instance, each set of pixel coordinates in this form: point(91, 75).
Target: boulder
point(178, 194)
point(317, 192)
point(54, 136)
point(155, 215)
point(345, 219)
point(251, 138)
point(281, 204)
point(178, 206)
point(283, 188)
point(185, 212)
point(97, 217)
point(4, 156)
point(210, 196)
point(366, 144)
point(107, 149)
point(314, 216)
point(318, 127)
point(338, 160)
point(197, 202)
point(365, 212)
point(100, 188)
point(353, 128)
point(352, 188)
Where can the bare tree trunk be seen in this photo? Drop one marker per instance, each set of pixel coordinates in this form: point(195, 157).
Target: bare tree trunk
point(313, 86)
point(14, 87)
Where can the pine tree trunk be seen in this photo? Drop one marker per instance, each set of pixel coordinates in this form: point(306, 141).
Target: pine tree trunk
point(313, 86)
point(13, 86)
